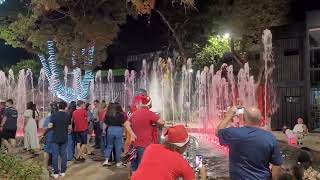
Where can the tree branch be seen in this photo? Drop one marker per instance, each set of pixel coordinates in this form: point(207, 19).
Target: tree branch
point(235, 55)
point(100, 3)
point(174, 34)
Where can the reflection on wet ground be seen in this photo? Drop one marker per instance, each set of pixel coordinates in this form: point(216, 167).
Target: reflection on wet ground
point(215, 159)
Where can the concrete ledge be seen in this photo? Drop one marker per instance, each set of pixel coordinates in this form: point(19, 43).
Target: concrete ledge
point(312, 140)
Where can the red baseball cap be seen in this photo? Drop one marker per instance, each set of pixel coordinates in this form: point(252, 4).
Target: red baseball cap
point(142, 99)
point(177, 135)
point(146, 100)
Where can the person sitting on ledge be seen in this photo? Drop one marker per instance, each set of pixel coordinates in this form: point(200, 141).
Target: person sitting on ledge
point(300, 129)
point(165, 161)
point(251, 149)
point(291, 136)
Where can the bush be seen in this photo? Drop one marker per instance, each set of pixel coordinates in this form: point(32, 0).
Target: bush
point(13, 168)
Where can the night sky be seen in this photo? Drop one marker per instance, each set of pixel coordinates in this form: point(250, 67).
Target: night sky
point(10, 56)
point(137, 36)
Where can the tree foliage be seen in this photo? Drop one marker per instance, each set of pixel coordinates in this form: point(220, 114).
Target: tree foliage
point(146, 6)
point(27, 64)
point(243, 19)
point(191, 25)
point(73, 25)
point(215, 48)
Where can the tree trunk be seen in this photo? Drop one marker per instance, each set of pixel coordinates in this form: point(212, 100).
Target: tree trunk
point(235, 55)
point(175, 36)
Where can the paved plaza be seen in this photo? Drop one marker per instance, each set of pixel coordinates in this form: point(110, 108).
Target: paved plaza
point(92, 168)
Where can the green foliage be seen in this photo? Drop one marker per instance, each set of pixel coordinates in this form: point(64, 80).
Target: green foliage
point(245, 20)
point(18, 31)
point(73, 25)
point(27, 64)
point(13, 168)
point(215, 48)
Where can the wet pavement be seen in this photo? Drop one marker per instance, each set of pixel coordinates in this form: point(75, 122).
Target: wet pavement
point(215, 159)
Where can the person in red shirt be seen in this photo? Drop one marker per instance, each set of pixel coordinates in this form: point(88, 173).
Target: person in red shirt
point(142, 121)
point(80, 121)
point(165, 161)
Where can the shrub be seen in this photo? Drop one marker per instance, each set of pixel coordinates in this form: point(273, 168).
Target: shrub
point(13, 168)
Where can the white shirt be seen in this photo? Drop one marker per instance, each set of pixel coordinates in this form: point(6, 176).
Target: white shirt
point(298, 128)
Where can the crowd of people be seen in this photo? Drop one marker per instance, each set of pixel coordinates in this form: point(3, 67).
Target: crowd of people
point(133, 137)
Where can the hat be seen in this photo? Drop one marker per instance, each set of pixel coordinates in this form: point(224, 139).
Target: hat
point(142, 99)
point(146, 100)
point(177, 135)
point(141, 91)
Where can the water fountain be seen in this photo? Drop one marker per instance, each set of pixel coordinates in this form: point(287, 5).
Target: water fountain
point(41, 86)
point(98, 83)
point(127, 91)
point(180, 96)
point(197, 100)
point(110, 83)
point(3, 84)
point(143, 74)
point(270, 98)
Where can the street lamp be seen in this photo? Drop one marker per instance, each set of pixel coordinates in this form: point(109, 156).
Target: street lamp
point(226, 35)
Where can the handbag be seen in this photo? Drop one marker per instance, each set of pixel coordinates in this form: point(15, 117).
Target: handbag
point(131, 154)
point(44, 136)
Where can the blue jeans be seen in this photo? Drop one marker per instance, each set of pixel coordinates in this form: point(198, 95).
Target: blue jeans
point(114, 140)
point(135, 162)
point(59, 150)
point(70, 148)
point(98, 132)
point(103, 143)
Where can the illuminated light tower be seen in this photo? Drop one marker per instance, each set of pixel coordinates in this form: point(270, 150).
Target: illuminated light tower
point(2, 1)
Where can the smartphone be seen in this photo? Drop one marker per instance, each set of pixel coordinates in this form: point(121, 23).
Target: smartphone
point(239, 111)
point(199, 159)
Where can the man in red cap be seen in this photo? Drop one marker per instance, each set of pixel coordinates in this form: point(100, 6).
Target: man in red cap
point(166, 161)
point(141, 122)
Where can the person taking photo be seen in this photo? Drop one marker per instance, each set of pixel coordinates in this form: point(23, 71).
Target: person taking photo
point(251, 149)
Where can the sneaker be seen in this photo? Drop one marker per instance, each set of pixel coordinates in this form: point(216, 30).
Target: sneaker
point(63, 174)
point(55, 176)
point(119, 164)
point(106, 163)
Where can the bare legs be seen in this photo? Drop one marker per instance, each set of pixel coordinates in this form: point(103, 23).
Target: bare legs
point(10, 145)
point(45, 160)
point(80, 150)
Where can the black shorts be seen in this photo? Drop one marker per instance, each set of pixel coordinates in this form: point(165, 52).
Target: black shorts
point(9, 134)
point(81, 137)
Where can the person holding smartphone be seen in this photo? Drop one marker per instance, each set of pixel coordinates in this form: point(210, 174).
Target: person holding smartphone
point(251, 149)
point(165, 161)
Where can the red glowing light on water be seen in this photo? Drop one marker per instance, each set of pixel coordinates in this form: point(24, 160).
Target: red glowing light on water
point(208, 135)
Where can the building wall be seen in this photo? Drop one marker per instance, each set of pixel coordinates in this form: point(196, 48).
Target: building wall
point(312, 65)
point(289, 75)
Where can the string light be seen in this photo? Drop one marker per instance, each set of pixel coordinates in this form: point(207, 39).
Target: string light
point(81, 91)
point(88, 75)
